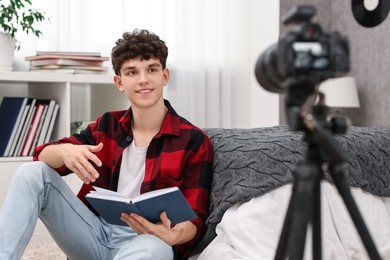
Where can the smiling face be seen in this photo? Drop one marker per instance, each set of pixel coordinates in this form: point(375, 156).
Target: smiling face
point(143, 82)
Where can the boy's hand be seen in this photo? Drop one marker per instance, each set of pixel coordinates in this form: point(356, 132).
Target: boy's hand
point(79, 159)
point(179, 234)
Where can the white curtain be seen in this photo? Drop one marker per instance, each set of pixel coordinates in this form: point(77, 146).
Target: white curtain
point(213, 46)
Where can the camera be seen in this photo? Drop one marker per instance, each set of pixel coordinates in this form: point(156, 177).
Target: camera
point(303, 54)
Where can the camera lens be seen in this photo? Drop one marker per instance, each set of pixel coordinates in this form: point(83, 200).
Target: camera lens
point(265, 71)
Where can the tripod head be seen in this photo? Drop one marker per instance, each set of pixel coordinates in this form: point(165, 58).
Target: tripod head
point(318, 124)
point(298, 92)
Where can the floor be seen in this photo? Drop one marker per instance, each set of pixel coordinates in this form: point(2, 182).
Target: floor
point(46, 250)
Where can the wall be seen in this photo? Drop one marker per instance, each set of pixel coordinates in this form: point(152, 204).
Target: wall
point(264, 108)
point(213, 46)
point(370, 58)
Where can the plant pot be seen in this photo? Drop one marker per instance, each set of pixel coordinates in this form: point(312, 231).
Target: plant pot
point(7, 50)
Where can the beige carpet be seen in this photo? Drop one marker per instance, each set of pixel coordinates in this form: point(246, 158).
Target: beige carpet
point(47, 251)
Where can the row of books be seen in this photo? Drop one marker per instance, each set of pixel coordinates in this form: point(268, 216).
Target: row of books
point(68, 62)
point(25, 124)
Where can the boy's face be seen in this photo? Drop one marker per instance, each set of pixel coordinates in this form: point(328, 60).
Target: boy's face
point(142, 81)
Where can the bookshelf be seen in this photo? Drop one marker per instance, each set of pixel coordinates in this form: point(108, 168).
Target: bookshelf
point(79, 95)
point(80, 98)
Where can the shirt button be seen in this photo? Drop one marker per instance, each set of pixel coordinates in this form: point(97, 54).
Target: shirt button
point(129, 139)
point(113, 162)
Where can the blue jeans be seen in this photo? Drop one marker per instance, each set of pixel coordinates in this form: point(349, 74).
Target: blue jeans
point(37, 191)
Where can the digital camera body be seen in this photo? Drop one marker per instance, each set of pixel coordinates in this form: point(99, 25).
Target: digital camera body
point(305, 51)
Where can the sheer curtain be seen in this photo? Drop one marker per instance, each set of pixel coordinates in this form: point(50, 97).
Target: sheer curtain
point(213, 46)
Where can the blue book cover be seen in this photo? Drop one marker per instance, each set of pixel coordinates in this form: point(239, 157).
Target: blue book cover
point(11, 111)
point(110, 205)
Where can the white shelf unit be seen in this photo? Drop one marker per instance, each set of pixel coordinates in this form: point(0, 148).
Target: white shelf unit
point(81, 97)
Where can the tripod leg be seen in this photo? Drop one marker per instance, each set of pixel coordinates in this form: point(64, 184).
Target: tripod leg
point(317, 247)
point(281, 251)
point(294, 230)
point(340, 179)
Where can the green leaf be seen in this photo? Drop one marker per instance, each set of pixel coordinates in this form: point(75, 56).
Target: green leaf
point(15, 16)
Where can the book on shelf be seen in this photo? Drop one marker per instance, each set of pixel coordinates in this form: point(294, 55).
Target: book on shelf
point(59, 62)
point(70, 67)
point(51, 123)
point(69, 71)
point(110, 205)
point(68, 57)
point(18, 131)
point(39, 129)
point(69, 53)
point(51, 104)
point(25, 123)
point(43, 126)
point(32, 130)
point(11, 111)
point(25, 128)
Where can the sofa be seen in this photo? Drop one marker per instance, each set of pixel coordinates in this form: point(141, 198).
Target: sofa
point(253, 175)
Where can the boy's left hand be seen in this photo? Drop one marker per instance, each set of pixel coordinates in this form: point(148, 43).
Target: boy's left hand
point(178, 234)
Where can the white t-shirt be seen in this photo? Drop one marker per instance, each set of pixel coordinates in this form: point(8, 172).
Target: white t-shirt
point(132, 171)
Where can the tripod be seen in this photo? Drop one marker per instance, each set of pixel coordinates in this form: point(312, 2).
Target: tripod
point(323, 155)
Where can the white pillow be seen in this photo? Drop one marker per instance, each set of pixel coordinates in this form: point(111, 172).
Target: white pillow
point(251, 230)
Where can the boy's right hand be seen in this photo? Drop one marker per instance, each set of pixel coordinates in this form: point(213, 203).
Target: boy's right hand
point(79, 159)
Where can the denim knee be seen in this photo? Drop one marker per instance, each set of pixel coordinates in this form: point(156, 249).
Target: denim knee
point(30, 172)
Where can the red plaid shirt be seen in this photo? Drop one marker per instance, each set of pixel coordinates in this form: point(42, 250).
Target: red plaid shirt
point(179, 155)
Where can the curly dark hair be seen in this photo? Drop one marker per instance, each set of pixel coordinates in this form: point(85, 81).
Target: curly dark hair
point(138, 44)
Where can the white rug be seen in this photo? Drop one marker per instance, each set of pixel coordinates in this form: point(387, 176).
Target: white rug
point(39, 251)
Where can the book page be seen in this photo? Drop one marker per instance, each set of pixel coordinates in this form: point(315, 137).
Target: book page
point(107, 194)
point(154, 193)
point(112, 195)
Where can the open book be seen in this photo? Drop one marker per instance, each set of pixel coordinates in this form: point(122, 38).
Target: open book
point(110, 205)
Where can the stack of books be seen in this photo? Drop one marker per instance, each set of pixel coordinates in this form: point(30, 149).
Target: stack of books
point(68, 62)
point(25, 124)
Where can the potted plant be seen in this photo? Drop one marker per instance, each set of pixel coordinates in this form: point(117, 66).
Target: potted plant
point(16, 15)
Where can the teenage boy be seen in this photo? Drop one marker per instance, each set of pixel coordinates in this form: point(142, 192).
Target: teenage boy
point(144, 148)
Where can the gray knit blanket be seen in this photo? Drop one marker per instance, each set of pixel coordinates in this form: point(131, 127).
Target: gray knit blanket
point(251, 162)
